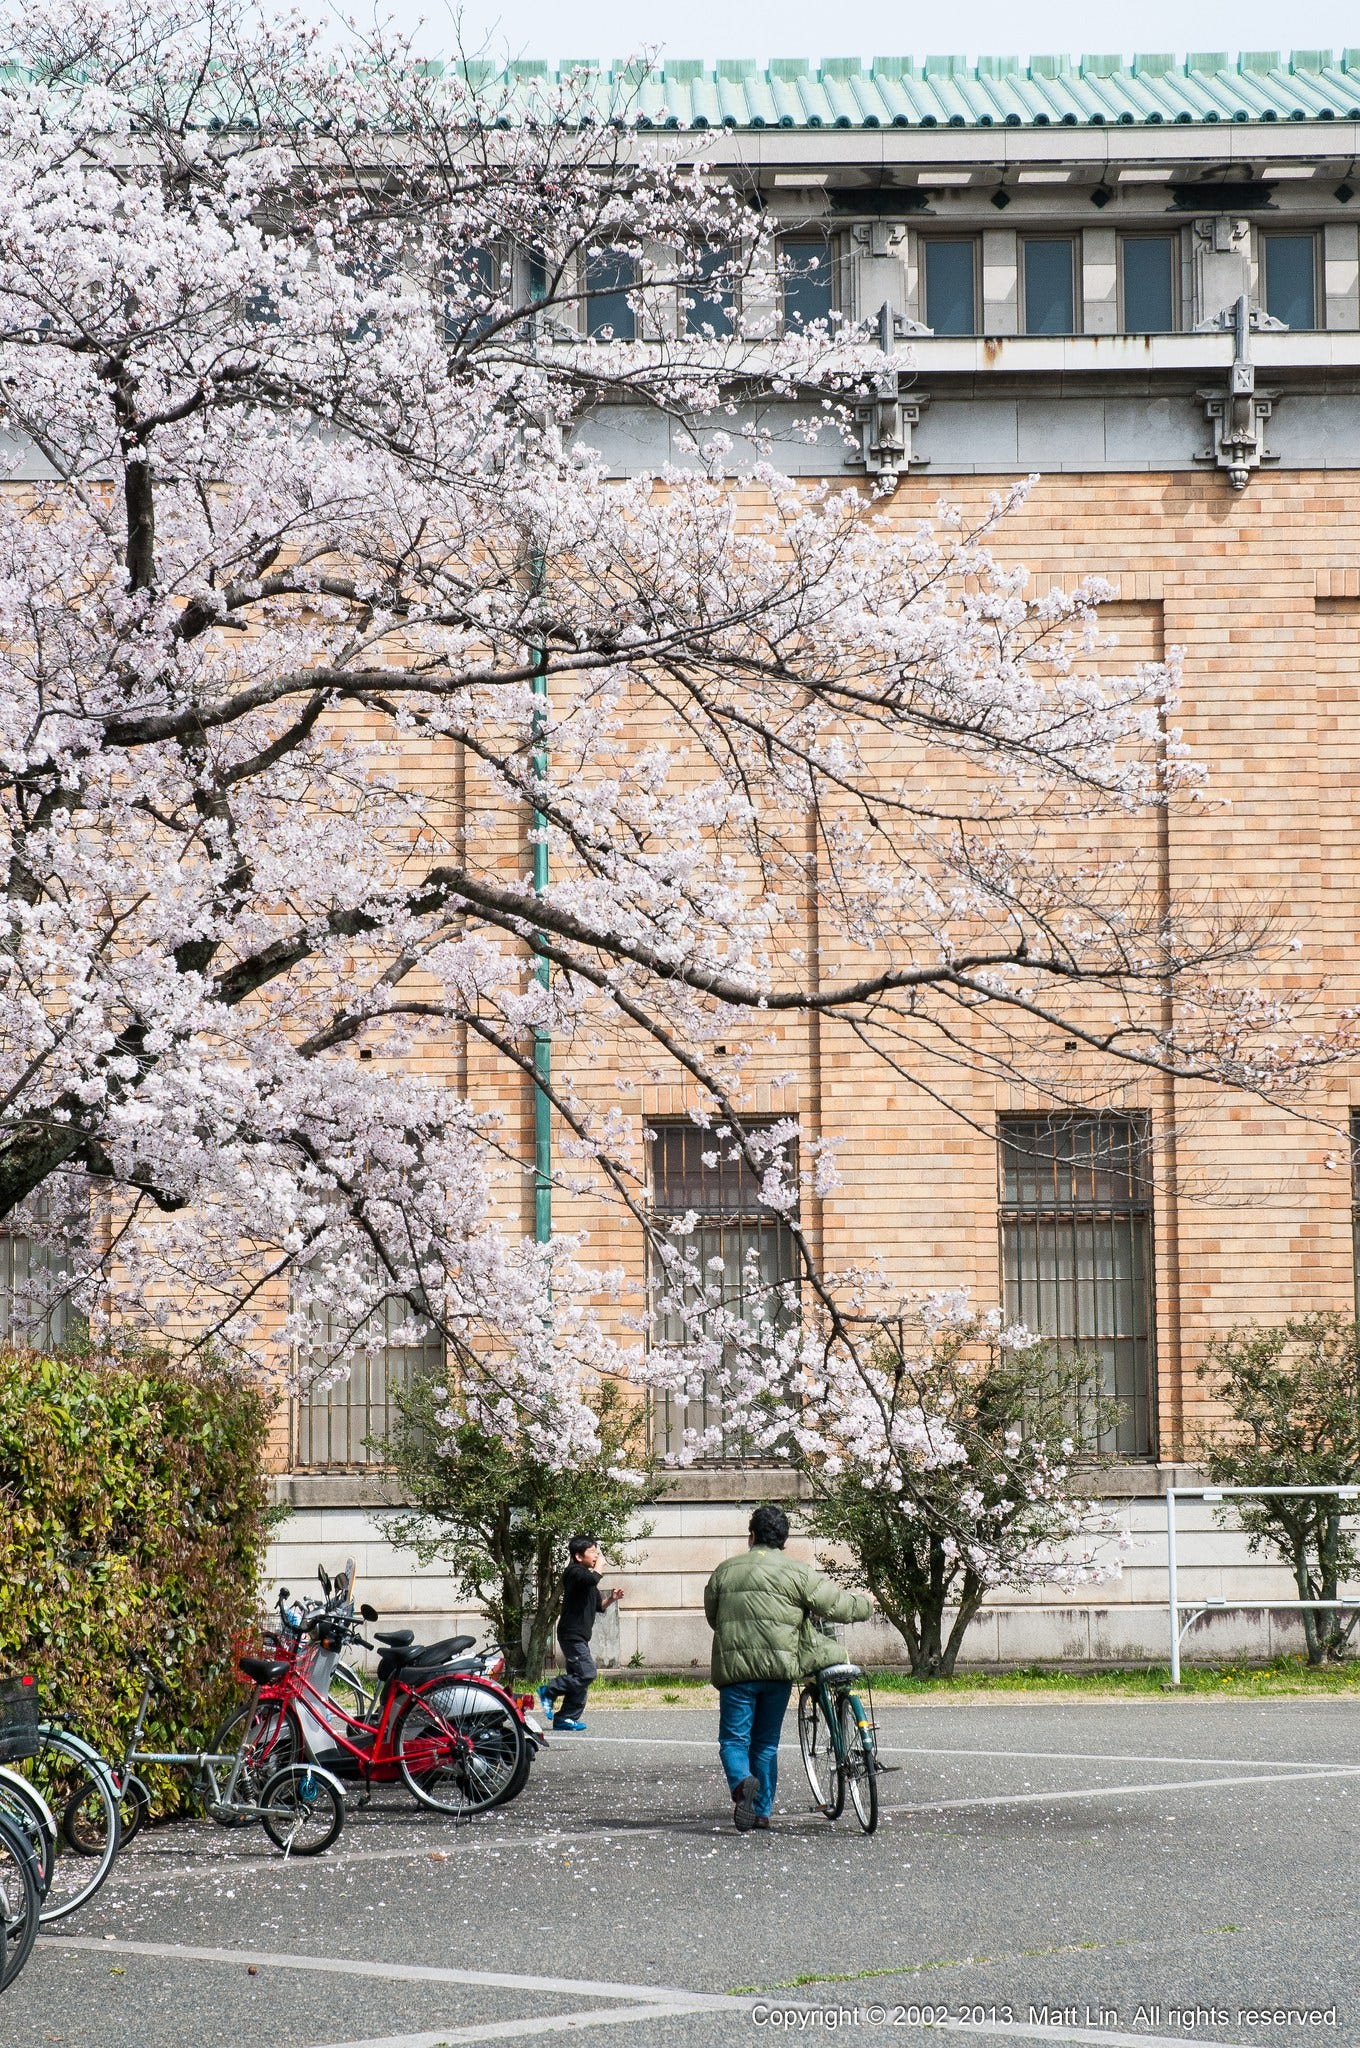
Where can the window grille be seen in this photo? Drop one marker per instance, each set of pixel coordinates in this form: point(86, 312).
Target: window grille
point(1076, 1252)
point(746, 1253)
point(34, 1277)
point(342, 1425)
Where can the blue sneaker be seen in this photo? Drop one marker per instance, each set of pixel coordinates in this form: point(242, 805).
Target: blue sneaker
point(546, 1701)
point(576, 1727)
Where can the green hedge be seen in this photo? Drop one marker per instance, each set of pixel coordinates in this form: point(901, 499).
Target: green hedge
point(133, 1515)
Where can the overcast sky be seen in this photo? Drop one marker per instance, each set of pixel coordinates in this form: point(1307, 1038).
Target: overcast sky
point(811, 28)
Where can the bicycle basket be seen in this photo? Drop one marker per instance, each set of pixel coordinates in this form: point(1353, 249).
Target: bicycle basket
point(18, 1719)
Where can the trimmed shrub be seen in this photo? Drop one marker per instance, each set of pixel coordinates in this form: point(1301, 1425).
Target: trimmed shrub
point(133, 1516)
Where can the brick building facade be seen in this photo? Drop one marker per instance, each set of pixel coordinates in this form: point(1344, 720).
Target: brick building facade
point(1142, 283)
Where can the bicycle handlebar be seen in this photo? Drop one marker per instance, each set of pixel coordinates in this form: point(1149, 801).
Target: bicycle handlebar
point(149, 1672)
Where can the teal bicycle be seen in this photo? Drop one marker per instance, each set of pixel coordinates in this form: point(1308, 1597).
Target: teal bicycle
point(837, 1739)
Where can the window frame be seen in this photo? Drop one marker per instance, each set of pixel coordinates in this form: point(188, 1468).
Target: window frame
point(1072, 237)
point(1268, 235)
point(313, 1418)
point(607, 254)
point(925, 244)
point(1139, 1416)
point(667, 1428)
point(832, 244)
point(690, 287)
point(1177, 311)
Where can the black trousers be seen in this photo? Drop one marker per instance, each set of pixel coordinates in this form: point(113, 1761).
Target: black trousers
point(570, 1688)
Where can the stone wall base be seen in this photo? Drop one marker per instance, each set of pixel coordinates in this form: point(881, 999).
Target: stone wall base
point(661, 1626)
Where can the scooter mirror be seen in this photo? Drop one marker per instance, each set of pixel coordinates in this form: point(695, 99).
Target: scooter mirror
point(369, 1613)
point(324, 1577)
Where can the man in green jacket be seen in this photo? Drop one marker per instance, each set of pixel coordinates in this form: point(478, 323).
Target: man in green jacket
point(761, 1608)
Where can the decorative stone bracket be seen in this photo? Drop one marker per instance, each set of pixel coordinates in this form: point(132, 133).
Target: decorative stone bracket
point(1237, 414)
point(886, 420)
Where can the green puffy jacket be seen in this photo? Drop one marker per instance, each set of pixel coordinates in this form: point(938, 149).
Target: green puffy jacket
point(760, 1607)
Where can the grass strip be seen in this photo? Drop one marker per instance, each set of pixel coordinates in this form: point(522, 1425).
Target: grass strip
point(1283, 1676)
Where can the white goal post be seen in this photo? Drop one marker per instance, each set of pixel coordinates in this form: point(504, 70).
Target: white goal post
point(1193, 1610)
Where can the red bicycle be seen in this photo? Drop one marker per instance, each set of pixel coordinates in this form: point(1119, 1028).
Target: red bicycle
point(455, 1740)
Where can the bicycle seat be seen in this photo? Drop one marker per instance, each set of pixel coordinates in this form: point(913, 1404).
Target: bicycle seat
point(439, 1653)
point(399, 1638)
point(840, 1671)
point(264, 1670)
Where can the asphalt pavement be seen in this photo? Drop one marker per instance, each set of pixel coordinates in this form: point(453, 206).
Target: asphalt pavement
point(1136, 1871)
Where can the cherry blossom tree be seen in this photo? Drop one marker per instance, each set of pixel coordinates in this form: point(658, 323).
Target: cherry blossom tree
point(304, 525)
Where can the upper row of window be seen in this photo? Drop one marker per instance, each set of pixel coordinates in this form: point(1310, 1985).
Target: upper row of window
point(1049, 285)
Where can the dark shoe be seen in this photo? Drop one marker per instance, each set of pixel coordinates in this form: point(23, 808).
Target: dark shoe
point(760, 1820)
point(743, 1811)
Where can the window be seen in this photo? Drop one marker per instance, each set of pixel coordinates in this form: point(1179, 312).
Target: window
point(332, 1426)
point(1049, 265)
point(1289, 266)
point(34, 1308)
point(610, 277)
point(709, 294)
point(1147, 283)
point(1076, 1251)
point(950, 273)
point(745, 1252)
point(809, 281)
point(472, 285)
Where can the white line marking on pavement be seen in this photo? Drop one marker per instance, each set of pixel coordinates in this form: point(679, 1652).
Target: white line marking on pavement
point(1076, 1756)
point(1095, 2035)
point(405, 1973)
point(555, 2023)
point(1117, 1791)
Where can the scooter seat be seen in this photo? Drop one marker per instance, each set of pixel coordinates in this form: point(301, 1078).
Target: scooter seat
point(397, 1638)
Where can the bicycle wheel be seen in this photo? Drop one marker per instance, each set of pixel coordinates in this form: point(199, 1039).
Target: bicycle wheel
point(818, 1748)
point(460, 1747)
point(859, 1772)
point(19, 1900)
point(273, 1739)
point(79, 1787)
point(302, 1810)
point(25, 1806)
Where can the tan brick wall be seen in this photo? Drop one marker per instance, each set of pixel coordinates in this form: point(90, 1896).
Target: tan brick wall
point(1261, 592)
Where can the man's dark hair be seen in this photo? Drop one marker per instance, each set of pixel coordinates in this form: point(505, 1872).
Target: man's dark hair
point(770, 1526)
point(578, 1544)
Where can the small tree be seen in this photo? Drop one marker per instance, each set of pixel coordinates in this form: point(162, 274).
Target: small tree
point(501, 1514)
point(983, 1492)
point(1292, 1395)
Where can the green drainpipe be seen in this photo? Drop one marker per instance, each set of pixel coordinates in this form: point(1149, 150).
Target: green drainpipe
point(542, 1039)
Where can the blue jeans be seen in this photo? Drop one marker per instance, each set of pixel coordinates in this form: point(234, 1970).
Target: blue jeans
point(750, 1716)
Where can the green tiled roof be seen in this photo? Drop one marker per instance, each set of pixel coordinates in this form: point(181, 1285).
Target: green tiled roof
point(899, 92)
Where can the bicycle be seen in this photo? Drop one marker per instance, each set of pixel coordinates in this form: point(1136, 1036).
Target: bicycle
point(59, 1790)
point(837, 1741)
point(457, 1741)
point(20, 1874)
point(300, 1806)
point(19, 1900)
